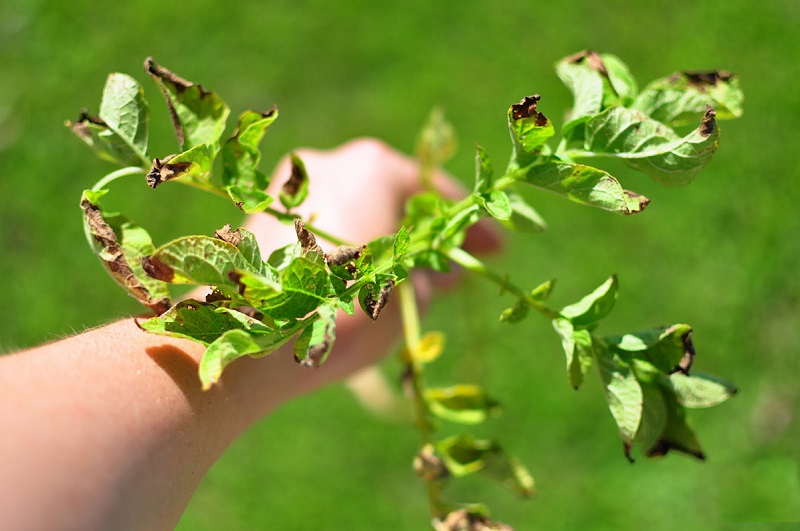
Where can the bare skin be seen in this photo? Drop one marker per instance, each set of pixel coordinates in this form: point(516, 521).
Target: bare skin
point(110, 429)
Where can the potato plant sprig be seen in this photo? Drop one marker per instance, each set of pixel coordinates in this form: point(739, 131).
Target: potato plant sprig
point(257, 304)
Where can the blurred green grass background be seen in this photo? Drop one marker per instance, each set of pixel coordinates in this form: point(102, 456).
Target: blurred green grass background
point(722, 254)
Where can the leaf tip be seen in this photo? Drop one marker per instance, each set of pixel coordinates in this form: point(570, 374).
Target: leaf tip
point(709, 123)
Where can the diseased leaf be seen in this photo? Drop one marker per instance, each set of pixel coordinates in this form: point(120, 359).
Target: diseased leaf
point(196, 260)
point(349, 262)
point(120, 133)
point(619, 75)
point(374, 296)
point(585, 185)
point(302, 287)
point(594, 306)
point(198, 115)
point(194, 164)
point(201, 322)
point(701, 391)
point(529, 128)
point(463, 455)
point(683, 97)
point(664, 347)
point(295, 189)
point(316, 340)
point(623, 393)
point(651, 146)
point(582, 75)
point(241, 154)
point(246, 242)
point(249, 200)
point(229, 347)
point(120, 245)
point(464, 404)
point(677, 434)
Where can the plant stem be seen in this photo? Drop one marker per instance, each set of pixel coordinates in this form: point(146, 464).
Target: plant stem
point(114, 175)
point(469, 262)
point(412, 335)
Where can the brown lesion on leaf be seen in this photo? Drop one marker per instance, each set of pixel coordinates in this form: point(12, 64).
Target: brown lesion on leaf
point(375, 306)
point(639, 198)
point(663, 446)
point(236, 278)
point(709, 122)
point(429, 466)
point(701, 80)
point(591, 58)
point(688, 355)
point(463, 520)
point(165, 77)
point(163, 170)
point(344, 254)
point(307, 240)
point(527, 108)
point(114, 259)
point(234, 237)
point(316, 354)
point(80, 128)
point(157, 269)
point(295, 180)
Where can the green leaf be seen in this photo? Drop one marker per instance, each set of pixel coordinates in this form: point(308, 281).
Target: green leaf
point(621, 79)
point(677, 434)
point(497, 204)
point(201, 322)
point(436, 142)
point(374, 296)
point(654, 416)
point(650, 146)
point(623, 393)
point(402, 241)
point(483, 171)
point(120, 133)
point(429, 348)
point(241, 154)
point(192, 165)
point(585, 83)
point(662, 347)
point(464, 404)
point(350, 263)
point(700, 391)
point(683, 97)
point(585, 185)
point(120, 245)
point(455, 227)
point(198, 115)
point(463, 455)
point(594, 306)
point(316, 340)
point(529, 129)
point(229, 347)
point(521, 308)
point(295, 190)
point(246, 242)
point(196, 260)
point(524, 217)
point(578, 348)
point(302, 287)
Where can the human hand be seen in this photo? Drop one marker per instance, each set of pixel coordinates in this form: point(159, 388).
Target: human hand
point(357, 191)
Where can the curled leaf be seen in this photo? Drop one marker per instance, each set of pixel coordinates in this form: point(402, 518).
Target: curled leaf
point(307, 240)
point(121, 252)
point(295, 190)
point(316, 340)
point(374, 297)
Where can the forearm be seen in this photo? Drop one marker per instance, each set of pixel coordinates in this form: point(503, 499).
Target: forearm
point(110, 430)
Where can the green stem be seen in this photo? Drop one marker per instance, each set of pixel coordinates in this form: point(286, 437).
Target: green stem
point(469, 262)
point(114, 175)
point(411, 332)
